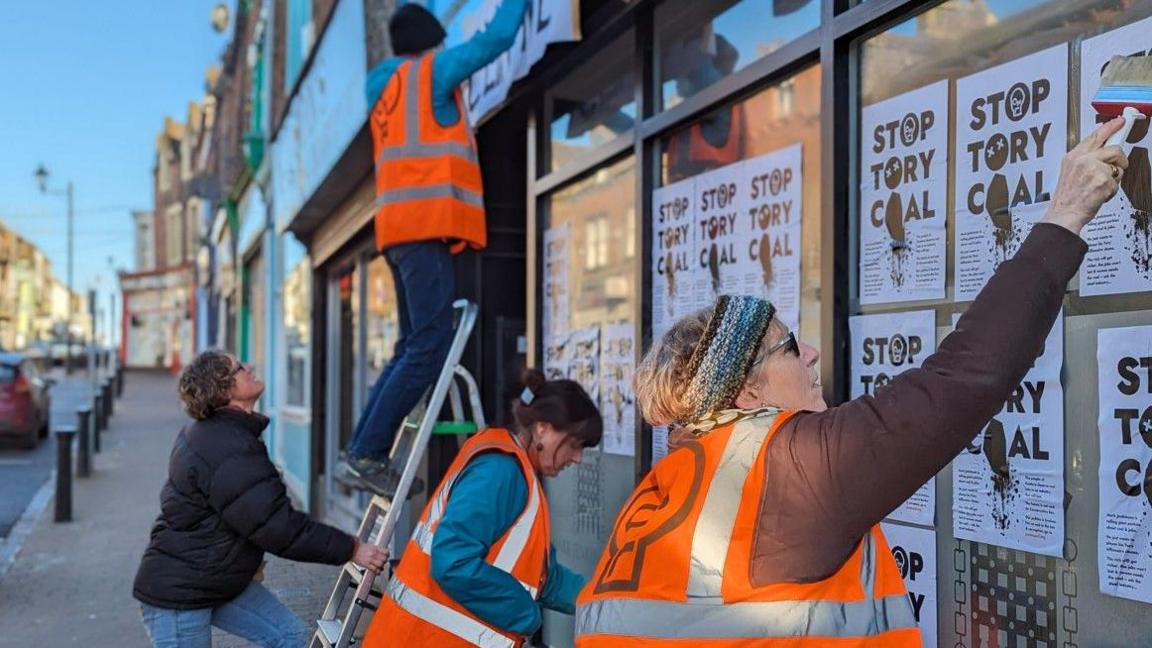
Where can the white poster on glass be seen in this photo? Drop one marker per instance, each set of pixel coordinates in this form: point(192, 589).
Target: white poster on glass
point(674, 263)
point(1011, 134)
point(1120, 237)
point(884, 346)
point(1008, 485)
point(903, 196)
point(556, 298)
point(770, 202)
point(617, 404)
point(720, 233)
point(915, 552)
point(1124, 530)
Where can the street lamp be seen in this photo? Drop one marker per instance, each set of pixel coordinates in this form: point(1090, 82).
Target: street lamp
point(41, 175)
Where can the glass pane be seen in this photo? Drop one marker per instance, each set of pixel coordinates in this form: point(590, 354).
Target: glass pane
point(599, 216)
point(959, 38)
point(297, 321)
point(594, 104)
point(786, 114)
point(701, 42)
point(256, 318)
point(382, 320)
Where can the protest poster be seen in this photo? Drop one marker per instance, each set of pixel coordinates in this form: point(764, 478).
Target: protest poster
point(770, 201)
point(903, 197)
point(673, 260)
point(1120, 237)
point(1011, 135)
point(883, 347)
point(915, 552)
point(617, 404)
point(1008, 484)
point(1124, 528)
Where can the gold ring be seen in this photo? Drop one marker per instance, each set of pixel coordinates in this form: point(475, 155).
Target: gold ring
point(1116, 172)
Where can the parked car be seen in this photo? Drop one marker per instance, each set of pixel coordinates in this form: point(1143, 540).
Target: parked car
point(25, 403)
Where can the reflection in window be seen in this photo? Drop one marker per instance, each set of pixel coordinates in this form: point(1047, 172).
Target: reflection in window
point(777, 117)
point(381, 318)
point(297, 321)
point(703, 41)
point(600, 288)
point(962, 37)
point(594, 104)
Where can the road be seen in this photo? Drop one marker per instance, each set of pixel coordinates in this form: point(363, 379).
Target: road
point(23, 472)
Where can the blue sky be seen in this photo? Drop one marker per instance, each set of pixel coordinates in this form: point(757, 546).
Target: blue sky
point(86, 86)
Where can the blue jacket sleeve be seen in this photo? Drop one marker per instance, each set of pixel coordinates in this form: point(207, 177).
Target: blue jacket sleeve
point(454, 65)
point(485, 501)
point(561, 588)
point(378, 78)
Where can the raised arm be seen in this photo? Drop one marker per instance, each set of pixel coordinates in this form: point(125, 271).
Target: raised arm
point(837, 473)
point(455, 64)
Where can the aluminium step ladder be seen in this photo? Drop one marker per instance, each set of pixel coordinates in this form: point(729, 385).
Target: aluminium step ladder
point(338, 623)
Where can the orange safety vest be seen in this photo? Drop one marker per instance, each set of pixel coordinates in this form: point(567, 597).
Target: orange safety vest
point(416, 612)
point(428, 184)
point(690, 153)
point(677, 568)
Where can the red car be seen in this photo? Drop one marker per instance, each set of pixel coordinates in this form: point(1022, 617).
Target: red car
point(24, 400)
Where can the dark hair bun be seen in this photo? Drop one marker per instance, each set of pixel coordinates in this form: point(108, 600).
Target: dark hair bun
point(532, 378)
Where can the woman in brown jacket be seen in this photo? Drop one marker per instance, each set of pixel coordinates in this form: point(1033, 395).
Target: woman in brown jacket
point(829, 474)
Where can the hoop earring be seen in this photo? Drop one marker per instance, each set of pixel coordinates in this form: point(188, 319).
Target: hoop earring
point(539, 447)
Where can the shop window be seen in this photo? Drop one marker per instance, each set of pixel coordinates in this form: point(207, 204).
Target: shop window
point(700, 43)
point(736, 150)
point(589, 305)
point(594, 104)
point(297, 300)
point(942, 47)
point(382, 319)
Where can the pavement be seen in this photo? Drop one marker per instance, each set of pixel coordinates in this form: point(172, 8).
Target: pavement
point(70, 584)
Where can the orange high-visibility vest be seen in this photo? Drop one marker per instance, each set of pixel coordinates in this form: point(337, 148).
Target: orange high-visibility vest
point(428, 184)
point(677, 569)
point(689, 152)
point(416, 611)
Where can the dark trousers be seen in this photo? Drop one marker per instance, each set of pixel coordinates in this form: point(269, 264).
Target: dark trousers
point(425, 289)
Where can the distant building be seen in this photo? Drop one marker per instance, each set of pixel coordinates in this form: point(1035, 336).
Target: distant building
point(33, 302)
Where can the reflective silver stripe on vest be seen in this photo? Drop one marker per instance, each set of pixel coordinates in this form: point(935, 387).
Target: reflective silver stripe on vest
point(868, 565)
point(428, 192)
point(417, 150)
point(713, 534)
point(445, 618)
point(412, 147)
point(747, 620)
point(425, 531)
point(519, 533)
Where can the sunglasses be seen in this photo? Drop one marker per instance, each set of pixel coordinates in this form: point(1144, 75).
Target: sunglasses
point(243, 366)
point(789, 344)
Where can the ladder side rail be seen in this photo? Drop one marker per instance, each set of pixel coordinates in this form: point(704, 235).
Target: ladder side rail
point(473, 397)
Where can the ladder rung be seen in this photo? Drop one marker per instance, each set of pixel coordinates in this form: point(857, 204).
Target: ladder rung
point(356, 576)
point(455, 427)
point(330, 631)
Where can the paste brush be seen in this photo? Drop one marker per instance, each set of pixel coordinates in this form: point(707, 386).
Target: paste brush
point(1125, 89)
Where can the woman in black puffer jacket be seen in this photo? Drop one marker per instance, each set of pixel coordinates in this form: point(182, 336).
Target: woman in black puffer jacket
point(222, 507)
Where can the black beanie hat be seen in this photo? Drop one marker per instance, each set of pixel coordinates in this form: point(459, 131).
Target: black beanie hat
point(413, 30)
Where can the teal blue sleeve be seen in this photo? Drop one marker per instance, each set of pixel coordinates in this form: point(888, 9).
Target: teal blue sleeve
point(378, 78)
point(486, 499)
point(561, 588)
point(454, 65)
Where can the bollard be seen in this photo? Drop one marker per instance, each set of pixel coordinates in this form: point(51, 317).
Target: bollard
point(119, 380)
point(97, 411)
point(84, 422)
point(84, 439)
point(109, 401)
point(64, 436)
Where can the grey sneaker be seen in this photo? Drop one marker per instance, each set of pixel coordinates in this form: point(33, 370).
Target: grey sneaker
point(380, 477)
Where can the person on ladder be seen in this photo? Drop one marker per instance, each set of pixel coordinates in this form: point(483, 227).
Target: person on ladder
point(480, 563)
point(429, 206)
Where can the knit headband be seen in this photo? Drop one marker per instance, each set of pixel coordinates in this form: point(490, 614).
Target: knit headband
point(724, 354)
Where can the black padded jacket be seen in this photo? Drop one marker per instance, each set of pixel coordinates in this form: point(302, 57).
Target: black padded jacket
point(222, 507)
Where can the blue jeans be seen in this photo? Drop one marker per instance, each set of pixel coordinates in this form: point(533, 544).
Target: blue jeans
point(256, 615)
point(425, 288)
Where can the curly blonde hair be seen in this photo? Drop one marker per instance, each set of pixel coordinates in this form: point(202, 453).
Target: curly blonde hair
point(663, 378)
point(206, 382)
